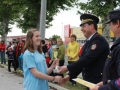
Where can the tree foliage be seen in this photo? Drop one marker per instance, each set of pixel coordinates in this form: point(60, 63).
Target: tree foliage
point(99, 8)
point(54, 36)
point(30, 11)
point(7, 17)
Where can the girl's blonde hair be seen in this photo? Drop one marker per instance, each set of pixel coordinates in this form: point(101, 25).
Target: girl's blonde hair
point(60, 39)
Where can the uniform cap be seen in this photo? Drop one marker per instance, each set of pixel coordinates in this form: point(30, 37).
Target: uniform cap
point(88, 18)
point(114, 15)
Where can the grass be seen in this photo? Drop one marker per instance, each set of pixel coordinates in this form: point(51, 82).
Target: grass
point(77, 87)
point(1, 66)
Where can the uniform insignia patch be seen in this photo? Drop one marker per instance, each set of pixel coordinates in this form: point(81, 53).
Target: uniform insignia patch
point(94, 46)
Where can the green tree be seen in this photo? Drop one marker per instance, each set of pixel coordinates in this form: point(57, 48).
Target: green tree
point(99, 8)
point(30, 13)
point(7, 16)
point(54, 36)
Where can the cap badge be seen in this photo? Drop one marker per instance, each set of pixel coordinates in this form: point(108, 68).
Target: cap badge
point(86, 20)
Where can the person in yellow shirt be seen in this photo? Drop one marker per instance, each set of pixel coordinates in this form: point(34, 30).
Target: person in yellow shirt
point(72, 52)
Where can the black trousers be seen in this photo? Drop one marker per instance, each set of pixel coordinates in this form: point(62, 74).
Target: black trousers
point(16, 62)
point(72, 81)
point(9, 65)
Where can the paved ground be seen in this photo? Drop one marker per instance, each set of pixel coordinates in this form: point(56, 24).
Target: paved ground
point(10, 81)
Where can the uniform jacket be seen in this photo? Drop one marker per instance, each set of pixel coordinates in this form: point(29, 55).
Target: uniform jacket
point(112, 67)
point(92, 60)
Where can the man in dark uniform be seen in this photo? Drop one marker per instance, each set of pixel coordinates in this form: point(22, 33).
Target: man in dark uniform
point(94, 53)
point(111, 73)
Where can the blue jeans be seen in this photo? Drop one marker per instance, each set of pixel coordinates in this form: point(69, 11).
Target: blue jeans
point(3, 57)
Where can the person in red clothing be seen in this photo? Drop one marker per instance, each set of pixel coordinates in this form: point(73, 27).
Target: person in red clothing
point(3, 47)
point(47, 56)
point(20, 48)
point(0, 50)
point(19, 51)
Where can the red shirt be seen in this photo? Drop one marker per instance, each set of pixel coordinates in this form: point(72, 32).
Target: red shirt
point(19, 49)
point(47, 61)
point(2, 47)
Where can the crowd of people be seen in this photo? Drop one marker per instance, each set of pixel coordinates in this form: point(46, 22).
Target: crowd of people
point(13, 50)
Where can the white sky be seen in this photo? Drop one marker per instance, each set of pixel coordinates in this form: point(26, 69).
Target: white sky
point(61, 19)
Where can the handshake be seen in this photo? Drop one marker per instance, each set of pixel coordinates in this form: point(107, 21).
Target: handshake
point(60, 70)
point(61, 81)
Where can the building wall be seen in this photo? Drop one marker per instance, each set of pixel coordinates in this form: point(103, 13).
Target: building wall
point(77, 31)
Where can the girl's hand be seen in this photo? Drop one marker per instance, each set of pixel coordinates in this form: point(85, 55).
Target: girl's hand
point(55, 63)
point(50, 62)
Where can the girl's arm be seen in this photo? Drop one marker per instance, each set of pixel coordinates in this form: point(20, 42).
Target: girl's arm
point(40, 75)
point(49, 70)
point(54, 63)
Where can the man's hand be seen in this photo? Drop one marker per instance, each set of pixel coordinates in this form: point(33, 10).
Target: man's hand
point(64, 80)
point(57, 79)
point(95, 88)
point(100, 84)
point(62, 69)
